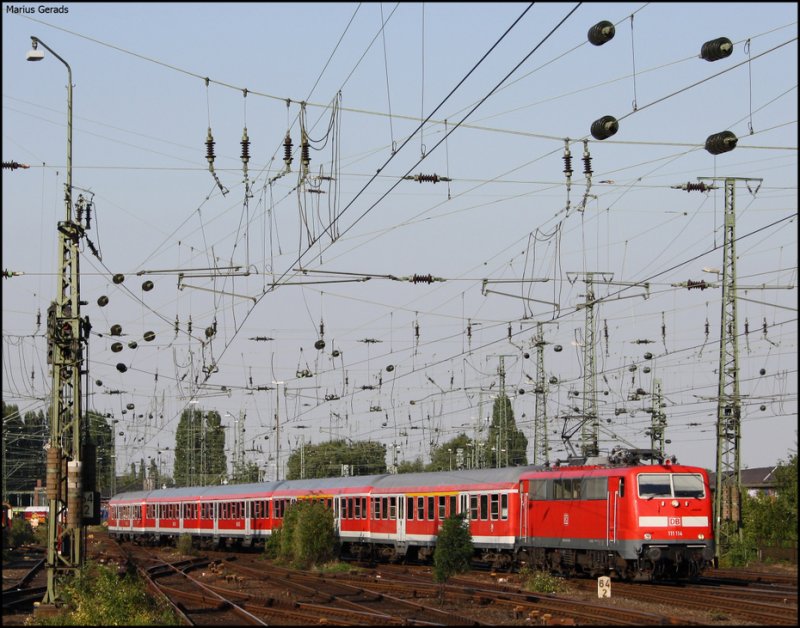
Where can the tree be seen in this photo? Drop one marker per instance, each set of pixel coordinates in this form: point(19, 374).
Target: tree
point(506, 445)
point(328, 459)
point(24, 459)
point(771, 520)
point(445, 457)
point(408, 466)
point(454, 549)
point(199, 449)
point(100, 434)
point(244, 473)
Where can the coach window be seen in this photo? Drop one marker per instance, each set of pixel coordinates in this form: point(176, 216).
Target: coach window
point(473, 507)
point(385, 507)
point(484, 507)
point(420, 508)
point(504, 506)
point(151, 511)
point(431, 509)
point(452, 505)
point(410, 508)
point(393, 508)
point(495, 506)
point(376, 507)
point(364, 513)
point(442, 507)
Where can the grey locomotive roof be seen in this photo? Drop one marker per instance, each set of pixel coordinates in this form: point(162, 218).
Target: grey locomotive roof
point(381, 482)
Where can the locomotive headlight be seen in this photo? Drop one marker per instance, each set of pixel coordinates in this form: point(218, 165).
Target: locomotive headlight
point(675, 503)
point(701, 536)
point(647, 536)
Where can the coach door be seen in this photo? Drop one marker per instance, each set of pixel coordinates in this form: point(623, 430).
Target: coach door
point(612, 509)
point(523, 510)
point(401, 515)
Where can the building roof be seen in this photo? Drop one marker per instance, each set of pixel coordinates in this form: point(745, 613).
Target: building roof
point(758, 477)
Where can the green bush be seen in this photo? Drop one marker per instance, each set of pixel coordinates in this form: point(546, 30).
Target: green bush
point(99, 597)
point(454, 549)
point(307, 536)
point(21, 532)
point(541, 581)
point(184, 544)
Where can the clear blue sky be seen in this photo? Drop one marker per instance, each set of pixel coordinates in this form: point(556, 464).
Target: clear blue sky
point(509, 239)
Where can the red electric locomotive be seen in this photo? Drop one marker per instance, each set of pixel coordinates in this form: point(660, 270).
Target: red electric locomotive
point(622, 517)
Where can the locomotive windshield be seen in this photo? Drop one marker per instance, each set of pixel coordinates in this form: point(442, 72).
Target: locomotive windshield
point(671, 485)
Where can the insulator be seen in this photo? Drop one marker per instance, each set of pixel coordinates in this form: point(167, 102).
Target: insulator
point(118, 278)
point(762, 372)
point(116, 347)
point(567, 162)
point(99, 382)
point(762, 408)
point(422, 279)
point(121, 367)
point(390, 368)
point(601, 32)
point(210, 147)
point(746, 327)
point(319, 344)
point(245, 146)
point(604, 127)
point(632, 368)
point(526, 355)
point(719, 143)
point(697, 187)
point(116, 330)
point(646, 369)
point(130, 406)
point(133, 344)
point(716, 49)
point(102, 301)
point(335, 353)
point(189, 326)
point(287, 149)
point(149, 336)
point(305, 158)
point(648, 356)
point(521, 391)
point(209, 332)
point(558, 348)
point(587, 159)
point(321, 329)
point(147, 286)
point(554, 380)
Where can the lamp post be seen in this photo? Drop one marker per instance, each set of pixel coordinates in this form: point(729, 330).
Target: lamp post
point(64, 333)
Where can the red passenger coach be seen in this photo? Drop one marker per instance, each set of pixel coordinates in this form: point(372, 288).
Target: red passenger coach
point(612, 516)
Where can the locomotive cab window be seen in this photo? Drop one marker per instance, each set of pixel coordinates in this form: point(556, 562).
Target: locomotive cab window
point(670, 485)
point(688, 485)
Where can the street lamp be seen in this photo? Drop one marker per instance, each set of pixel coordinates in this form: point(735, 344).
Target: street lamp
point(37, 55)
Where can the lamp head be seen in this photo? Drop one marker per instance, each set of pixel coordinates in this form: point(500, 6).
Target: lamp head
point(34, 54)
